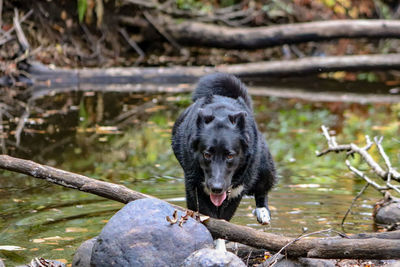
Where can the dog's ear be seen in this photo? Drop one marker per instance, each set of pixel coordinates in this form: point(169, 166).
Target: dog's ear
point(238, 118)
point(205, 116)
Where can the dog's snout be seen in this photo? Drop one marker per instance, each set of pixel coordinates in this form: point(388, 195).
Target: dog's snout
point(216, 188)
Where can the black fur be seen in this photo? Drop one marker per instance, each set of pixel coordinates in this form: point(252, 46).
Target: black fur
point(219, 147)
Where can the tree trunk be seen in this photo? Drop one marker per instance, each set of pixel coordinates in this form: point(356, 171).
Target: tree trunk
point(179, 79)
point(209, 35)
point(334, 247)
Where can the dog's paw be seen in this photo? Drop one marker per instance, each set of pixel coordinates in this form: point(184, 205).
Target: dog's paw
point(220, 245)
point(263, 215)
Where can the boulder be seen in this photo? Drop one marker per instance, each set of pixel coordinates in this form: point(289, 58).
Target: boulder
point(140, 235)
point(84, 253)
point(208, 257)
point(388, 214)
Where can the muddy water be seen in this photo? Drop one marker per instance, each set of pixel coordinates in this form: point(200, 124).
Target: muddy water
point(45, 220)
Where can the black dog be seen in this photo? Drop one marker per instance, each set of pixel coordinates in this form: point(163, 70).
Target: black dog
point(221, 151)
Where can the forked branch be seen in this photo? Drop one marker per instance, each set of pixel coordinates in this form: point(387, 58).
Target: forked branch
point(386, 175)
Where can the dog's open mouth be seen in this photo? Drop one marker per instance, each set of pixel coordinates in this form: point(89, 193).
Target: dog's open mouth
point(217, 199)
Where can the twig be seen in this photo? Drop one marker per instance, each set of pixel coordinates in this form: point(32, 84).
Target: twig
point(134, 45)
point(2, 134)
point(7, 35)
point(166, 35)
point(274, 260)
point(248, 257)
point(20, 33)
point(1, 13)
point(365, 177)
point(363, 152)
point(353, 202)
point(21, 123)
point(391, 172)
point(351, 149)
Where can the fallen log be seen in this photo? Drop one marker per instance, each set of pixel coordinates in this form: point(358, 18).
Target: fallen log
point(179, 79)
point(201, 34)
point(333, 247)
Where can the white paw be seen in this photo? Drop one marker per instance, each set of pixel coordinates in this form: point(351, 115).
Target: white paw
point(220, 245)
point(263, 215)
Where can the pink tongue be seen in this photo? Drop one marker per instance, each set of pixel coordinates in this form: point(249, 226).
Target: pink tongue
point(218, 199)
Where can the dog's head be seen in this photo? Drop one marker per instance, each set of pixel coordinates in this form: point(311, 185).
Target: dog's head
point(220, 147)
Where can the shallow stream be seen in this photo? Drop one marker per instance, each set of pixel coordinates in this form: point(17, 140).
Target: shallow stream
point(133, 149)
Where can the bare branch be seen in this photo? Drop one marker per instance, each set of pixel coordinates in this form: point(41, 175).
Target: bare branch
point(391, 172)
point(362, 151)
point(134, 45)
point(20, 33)
point(353, 202)
point(365, 177)
point(351, 149)
point(21, 123)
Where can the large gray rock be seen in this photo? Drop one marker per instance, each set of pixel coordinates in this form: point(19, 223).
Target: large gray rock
point(208, 257)
point(139, 235)
point(388, 214)
point(84, 253)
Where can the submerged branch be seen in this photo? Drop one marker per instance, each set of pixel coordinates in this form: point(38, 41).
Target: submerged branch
point(374, 247)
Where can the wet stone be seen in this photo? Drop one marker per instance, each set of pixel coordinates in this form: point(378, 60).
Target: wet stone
point(388, 214)
point(139, 235)
point(83, 253)
point(208, 257)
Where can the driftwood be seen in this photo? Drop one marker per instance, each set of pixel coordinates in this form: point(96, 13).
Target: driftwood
point(202, 34)
point(180, 79)
point(372, 246)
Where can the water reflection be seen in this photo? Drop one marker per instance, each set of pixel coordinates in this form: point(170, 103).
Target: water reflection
point(49, 221)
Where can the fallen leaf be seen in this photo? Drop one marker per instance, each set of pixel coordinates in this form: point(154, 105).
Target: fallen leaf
point(303, 185)
point(204, 218)
point(52, 238)
point(11, 248)
point(75, 230)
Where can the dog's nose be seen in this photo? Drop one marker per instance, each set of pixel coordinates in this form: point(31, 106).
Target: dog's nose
point(216, 189)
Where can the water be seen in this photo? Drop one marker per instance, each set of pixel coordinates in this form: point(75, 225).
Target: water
point(45, 220)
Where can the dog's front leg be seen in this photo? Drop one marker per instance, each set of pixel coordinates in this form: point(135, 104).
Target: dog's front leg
point(262, 211)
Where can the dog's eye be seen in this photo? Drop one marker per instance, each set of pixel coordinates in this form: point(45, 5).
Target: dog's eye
point(229, 156)
point(207, 155)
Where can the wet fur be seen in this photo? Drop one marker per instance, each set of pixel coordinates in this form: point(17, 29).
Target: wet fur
point(221, 120)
